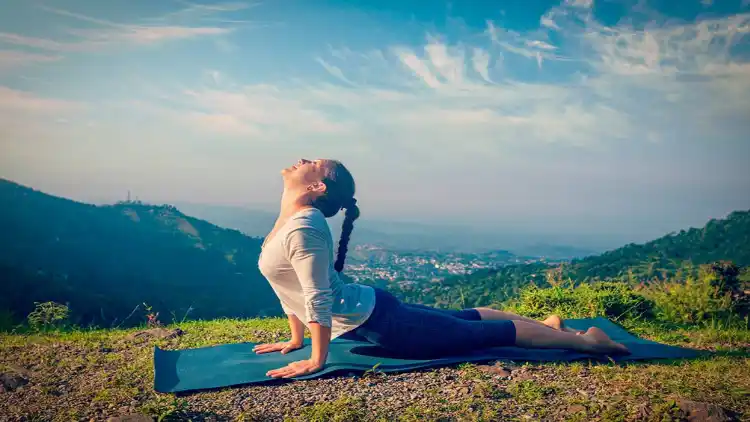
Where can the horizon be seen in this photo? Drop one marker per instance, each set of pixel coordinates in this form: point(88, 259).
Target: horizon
point(451, 233)
point(617, 121)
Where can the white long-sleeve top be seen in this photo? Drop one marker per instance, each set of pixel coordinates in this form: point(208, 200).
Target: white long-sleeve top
point(298, 263)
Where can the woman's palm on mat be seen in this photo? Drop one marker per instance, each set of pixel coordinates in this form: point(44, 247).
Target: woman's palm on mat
point(284, 347)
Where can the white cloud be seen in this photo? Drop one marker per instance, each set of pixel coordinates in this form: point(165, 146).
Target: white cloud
point(171, 27)
point(419, 68)
point(12, 59)
point(480, 60)
point(334, 71)
point(633, 86)
point(632, 89)
point(586, 4)
point(15, 101)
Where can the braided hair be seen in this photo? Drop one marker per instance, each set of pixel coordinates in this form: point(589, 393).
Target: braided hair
point(340, 189)
point(351, 214)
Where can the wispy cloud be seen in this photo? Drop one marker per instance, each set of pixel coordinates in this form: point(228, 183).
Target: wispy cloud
point(12, 101)
point(442, 92)
point(334, 71)
point(40, 43)
point(12, 59)
point(106, 33)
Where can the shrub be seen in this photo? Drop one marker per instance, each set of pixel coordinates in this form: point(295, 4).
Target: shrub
point(614, 300)
point(48, 315)
point(714, 293)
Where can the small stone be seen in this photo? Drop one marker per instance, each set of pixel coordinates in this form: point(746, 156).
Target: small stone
point(495, 369)
point(11, 381)
point(133, 417)
point(705, 412)
point(575, 408)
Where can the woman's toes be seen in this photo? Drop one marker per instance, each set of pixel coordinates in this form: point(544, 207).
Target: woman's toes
point(554, 321)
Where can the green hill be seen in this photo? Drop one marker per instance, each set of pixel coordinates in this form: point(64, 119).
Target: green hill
point(719, 240)
point(104, 261)
point(677, 253)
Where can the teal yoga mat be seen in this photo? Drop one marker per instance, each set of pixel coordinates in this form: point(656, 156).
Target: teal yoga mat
point(237, 364)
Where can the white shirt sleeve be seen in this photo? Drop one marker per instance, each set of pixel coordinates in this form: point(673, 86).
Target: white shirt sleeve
point(308, 252)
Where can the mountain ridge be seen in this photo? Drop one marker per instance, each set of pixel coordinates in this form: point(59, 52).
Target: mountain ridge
point(105, 260)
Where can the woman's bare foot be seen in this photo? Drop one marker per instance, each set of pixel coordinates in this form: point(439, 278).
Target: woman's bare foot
point(554, 321)
point(601, 343)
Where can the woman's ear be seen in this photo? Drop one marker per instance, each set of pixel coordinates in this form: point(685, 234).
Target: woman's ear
point(318, 187)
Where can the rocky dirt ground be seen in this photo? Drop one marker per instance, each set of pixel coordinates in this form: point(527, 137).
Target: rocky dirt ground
point(108, 375)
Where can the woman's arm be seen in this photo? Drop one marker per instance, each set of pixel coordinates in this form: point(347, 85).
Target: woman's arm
point(297, 328)
point(308, 252)
point(321, 338)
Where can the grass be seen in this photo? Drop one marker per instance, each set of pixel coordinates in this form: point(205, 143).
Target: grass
point(99, 373)
point(86, 373)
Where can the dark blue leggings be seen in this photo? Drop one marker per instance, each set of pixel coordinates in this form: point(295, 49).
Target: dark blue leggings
point(423, 332)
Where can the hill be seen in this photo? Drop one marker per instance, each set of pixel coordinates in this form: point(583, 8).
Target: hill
point(106, 261)
point(720, 239)
point(676, 253)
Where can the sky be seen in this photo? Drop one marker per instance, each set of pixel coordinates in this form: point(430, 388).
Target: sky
point(622, 120)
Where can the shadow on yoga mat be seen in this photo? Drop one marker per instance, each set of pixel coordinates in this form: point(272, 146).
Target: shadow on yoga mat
point(237, 364)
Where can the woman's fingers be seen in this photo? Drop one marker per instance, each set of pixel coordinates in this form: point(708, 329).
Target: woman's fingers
point(265, 348)
point(281, 372)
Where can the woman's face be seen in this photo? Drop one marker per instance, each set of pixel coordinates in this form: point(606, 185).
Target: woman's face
point(304, 173)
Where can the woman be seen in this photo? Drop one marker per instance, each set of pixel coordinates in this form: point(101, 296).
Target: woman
point(298, 261)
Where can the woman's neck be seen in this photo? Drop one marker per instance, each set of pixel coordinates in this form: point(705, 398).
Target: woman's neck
point(291, 203)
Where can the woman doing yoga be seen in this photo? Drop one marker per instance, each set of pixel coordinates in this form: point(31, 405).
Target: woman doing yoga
point(297, 258)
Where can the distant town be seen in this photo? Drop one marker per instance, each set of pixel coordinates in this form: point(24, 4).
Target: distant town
point(374, 263)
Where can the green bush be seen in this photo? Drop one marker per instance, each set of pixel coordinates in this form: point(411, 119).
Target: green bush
point(699, 299)
point(614, 300)
point(48, 315)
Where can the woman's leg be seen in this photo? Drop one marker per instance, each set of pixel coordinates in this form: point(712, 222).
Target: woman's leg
point(489, 314)
point(424, 333)
point(594, 340)
point(553, 321)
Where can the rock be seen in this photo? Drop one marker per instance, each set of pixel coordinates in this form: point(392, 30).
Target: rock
point(12, 380)
point(704, 412)
point(495, 369)
point(156, 333)
point(575, 408)
point(522, 375)
point(133, 417)
point(642, 411)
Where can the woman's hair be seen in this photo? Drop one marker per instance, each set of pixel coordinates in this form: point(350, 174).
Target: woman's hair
point(339, 194)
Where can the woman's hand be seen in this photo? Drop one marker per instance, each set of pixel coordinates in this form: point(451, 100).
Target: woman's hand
point(284, 347)
point(301, 367)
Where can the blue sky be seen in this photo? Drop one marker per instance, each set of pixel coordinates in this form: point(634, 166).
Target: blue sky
point(618, 118)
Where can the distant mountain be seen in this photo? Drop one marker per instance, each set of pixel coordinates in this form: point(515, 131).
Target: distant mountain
point(553, 251)
point(719, 240)
point(391, 235)
point(106, 260)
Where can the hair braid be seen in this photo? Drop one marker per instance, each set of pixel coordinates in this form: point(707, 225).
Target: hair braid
point(352, 213)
